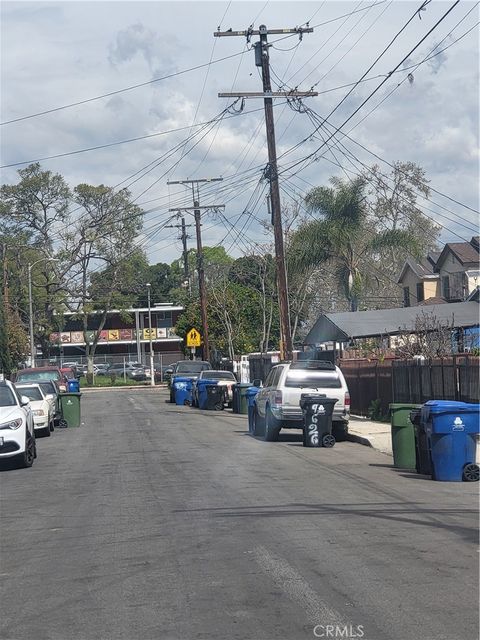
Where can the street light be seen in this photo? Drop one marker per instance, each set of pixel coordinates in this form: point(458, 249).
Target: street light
point(30, 306)
point(152, 371)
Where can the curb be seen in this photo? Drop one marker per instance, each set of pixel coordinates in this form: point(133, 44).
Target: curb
point(136, 387)
point(351, 437)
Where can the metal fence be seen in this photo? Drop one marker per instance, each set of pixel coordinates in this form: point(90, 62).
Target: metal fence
point(452, 378)
point(159, 359)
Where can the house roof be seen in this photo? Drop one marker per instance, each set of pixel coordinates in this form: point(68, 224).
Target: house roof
point(341, 327)
point(422, 268)
point(465, 252)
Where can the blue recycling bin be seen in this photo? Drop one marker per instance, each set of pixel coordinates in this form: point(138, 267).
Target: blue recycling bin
point(202, 391)
point(182, 390)
point(73, 385)
point(251, 394)
point(453, 428)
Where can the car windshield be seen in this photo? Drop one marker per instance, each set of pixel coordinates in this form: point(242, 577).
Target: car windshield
point(7, 399)
point(299, 378)
point(218, 375)
point(192, 366)
point(37, 375)
point(48, 387)
point(32, 393)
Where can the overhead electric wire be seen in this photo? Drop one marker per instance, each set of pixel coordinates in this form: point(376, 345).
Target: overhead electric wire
point(395, 167)
point(311, 155)
point(116, 92)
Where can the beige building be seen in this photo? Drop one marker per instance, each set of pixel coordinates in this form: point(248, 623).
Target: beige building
point(419, 281)
point(449, 276)
point(458, 267)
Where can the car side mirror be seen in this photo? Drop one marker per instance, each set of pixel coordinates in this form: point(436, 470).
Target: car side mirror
point(24, 401)
point(49, 396)
point(257, 383)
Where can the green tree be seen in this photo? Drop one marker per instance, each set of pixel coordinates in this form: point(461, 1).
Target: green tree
point(5, 357)
point(344, 237)
point(102, 238)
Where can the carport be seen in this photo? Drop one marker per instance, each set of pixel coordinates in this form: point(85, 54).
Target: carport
point(349, 325)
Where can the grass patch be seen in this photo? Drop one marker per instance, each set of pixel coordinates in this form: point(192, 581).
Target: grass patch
point(106, 381)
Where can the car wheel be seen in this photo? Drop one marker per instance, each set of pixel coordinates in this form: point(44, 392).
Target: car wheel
point(258, 426)
point(52, 425)
point(29, 455)
point(272, 427)
point(46, 432)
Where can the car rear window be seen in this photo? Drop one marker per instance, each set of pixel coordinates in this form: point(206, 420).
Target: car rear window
point(32, 393)
point(37, 375)
point(193, 367)
point(298, 378)
point(219, 375)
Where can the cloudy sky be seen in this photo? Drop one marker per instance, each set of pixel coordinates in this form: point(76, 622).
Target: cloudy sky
point(55, 54)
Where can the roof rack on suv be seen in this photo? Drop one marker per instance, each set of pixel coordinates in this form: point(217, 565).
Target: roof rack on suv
point(313, 364)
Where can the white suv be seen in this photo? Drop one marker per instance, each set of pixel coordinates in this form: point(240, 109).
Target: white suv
point(17, 436)
point(277, 404)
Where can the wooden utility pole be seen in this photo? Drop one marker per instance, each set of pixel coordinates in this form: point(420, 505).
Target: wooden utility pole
point(183, 237)
point(262, 60)
point(200, 268)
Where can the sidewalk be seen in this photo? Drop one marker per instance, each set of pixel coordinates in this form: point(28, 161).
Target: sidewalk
point(372, 434)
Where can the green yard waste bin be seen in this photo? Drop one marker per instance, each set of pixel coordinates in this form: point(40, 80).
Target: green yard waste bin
point(403, 435)
point(240, 398)
point(70, 409)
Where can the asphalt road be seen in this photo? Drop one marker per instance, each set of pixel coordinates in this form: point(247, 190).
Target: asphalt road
point(152, 521)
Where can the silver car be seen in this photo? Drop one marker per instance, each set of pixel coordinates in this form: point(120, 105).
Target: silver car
point(277, 404)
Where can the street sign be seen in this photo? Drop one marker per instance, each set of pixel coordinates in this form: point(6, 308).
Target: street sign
point(193, 338)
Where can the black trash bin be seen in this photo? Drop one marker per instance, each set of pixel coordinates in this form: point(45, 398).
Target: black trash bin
point(423, 455)
point(215, 397)
point(317, 420)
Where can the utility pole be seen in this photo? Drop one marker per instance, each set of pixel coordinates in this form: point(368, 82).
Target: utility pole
point(200, 268)
point(262, 60)
point(184, 237)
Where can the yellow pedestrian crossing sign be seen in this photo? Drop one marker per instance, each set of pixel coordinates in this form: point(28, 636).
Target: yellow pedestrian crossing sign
point(193, 338)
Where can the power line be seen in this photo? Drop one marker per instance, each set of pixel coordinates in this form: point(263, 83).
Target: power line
point(311, 155)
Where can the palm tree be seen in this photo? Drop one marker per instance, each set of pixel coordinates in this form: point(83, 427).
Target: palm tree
point(343, 235)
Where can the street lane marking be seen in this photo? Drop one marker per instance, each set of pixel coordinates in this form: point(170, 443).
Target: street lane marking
point(297, 588)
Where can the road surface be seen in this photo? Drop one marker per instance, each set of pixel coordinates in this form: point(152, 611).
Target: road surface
point(152, 521)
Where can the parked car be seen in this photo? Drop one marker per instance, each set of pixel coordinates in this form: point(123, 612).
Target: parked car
point(101, 369)
point(131, 370)
point(224, 379)
point(43, 414)
point(188, 369)
point(277, 404)
point(40, 374)
point(70, 373)
point(51, 391)
point(17, 434)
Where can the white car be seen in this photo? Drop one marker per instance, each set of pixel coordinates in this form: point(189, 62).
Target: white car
point(277, 404)
point(224, 379)
point(17, 434)
point(43, 415)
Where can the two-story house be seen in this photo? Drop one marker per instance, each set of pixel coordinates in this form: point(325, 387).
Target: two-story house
point(419, 280)
point(449, 276)
point(458, 267)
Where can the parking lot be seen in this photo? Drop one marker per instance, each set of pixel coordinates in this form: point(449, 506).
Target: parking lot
point(153, 520)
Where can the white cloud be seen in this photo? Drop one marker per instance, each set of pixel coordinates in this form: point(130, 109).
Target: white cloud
point(57, 53)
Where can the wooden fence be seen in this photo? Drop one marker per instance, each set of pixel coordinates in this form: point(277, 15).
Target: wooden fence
point(452, 378)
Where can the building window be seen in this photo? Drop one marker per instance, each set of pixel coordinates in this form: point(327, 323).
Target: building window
point(406, 296)
point(446, 287)
point(420, 292)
